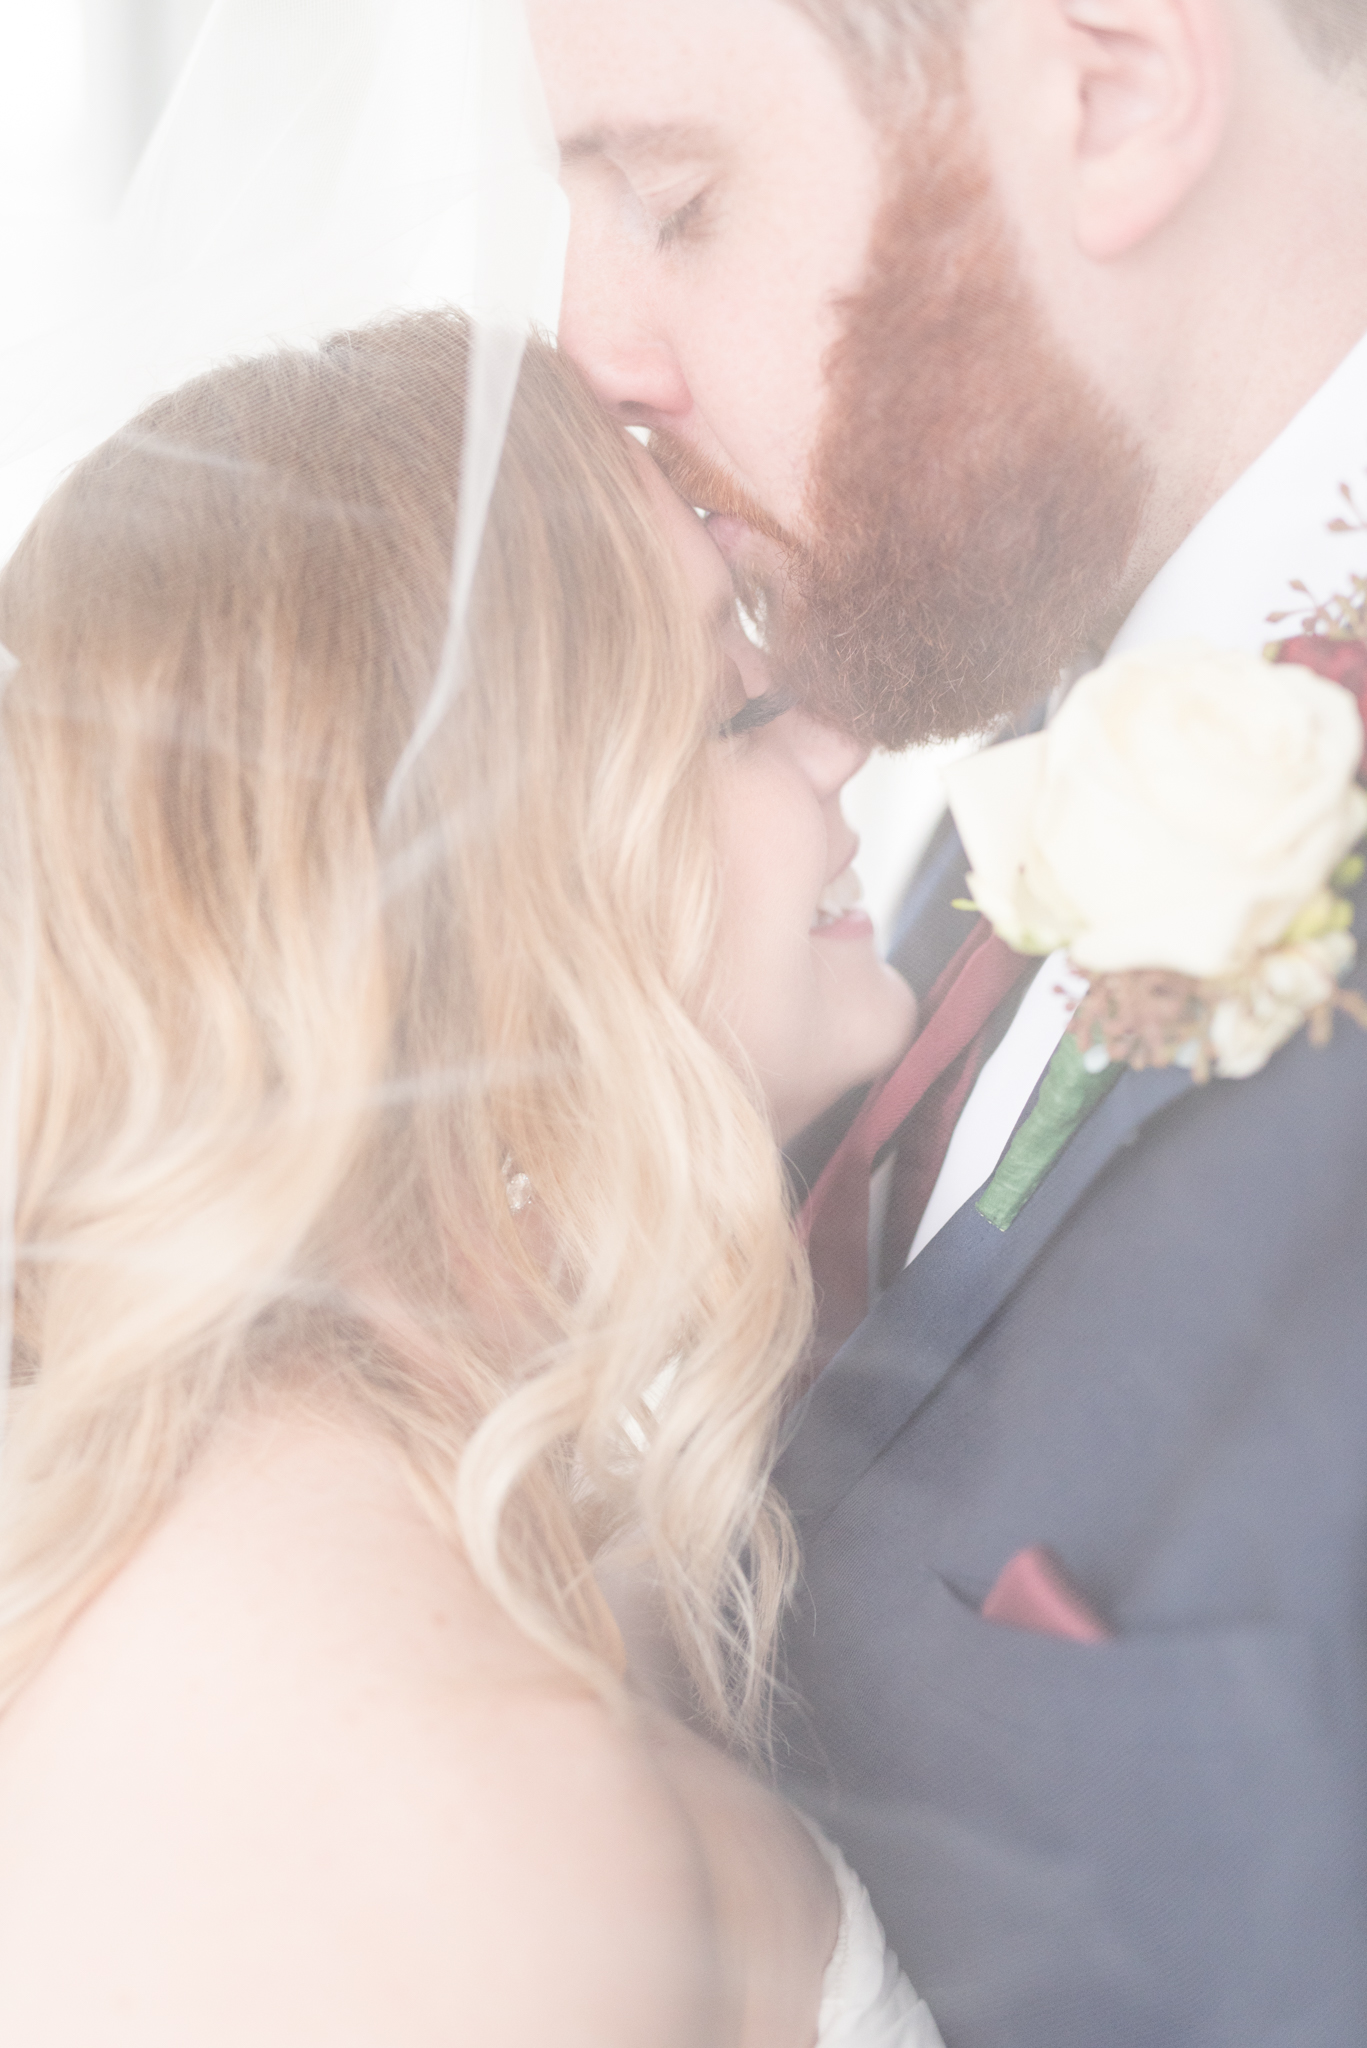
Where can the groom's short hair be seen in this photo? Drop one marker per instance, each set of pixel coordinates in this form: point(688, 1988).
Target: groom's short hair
point(877, 36)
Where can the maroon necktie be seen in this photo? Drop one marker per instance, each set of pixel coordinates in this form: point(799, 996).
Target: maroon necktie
point(919, 1105)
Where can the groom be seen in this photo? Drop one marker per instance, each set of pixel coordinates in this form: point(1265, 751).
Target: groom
point(998, 334)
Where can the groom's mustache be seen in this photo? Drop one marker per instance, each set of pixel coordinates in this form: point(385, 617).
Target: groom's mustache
point(709, 487)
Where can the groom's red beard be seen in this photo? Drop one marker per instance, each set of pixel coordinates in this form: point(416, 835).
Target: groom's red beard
point(973, 501)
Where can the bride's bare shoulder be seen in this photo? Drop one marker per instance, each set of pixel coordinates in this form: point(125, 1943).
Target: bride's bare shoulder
point(293, 1778)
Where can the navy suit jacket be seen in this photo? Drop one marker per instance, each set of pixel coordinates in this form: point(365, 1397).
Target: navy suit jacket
point(1160, 1372)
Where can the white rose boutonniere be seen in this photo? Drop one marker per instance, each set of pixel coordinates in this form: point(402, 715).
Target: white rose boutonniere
point(1181, 810)
point(1180, 827)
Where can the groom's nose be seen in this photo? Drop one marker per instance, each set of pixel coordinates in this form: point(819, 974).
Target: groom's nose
point(606, 328)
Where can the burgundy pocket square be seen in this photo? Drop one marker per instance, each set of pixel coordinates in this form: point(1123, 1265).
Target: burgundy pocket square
point(1033, 1593)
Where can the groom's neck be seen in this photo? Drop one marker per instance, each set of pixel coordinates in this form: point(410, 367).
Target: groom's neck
point(1253, 300)
point(1195, 229)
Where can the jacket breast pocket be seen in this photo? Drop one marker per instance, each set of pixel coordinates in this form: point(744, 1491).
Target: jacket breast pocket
point(1158, 1838)
point(1188, 1687)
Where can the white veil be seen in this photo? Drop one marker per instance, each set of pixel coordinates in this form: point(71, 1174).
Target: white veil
point(321, 162)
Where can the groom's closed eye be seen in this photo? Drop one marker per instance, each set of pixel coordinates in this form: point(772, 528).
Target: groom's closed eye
point(676, 226)
point(668, 167)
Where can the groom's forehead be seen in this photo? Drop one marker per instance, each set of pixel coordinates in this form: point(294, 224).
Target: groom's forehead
point(666, 77)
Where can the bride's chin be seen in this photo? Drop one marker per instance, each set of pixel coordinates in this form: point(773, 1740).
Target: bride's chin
point(892, 1014)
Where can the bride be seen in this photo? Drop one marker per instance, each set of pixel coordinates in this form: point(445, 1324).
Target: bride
point(397, 1219)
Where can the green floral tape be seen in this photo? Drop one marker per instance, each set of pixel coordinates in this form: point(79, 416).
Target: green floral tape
point(1068, 1095)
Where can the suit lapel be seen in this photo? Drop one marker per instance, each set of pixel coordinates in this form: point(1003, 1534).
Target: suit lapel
point(932, 1313)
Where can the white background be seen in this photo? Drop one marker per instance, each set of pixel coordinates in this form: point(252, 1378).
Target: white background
point(81, 84)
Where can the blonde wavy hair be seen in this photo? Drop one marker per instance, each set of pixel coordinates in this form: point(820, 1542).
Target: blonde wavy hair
point(281, 1051)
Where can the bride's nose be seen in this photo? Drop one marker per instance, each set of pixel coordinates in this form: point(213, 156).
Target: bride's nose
point(826, 756)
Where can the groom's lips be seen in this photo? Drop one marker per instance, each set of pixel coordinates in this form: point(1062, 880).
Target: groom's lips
point(750, 548)
point(733, 536)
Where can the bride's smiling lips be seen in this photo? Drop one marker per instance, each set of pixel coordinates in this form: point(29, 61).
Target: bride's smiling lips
point(839, 914)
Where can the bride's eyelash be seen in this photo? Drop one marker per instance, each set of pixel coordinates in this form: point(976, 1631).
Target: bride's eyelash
point(756, 712)
point(676, 225)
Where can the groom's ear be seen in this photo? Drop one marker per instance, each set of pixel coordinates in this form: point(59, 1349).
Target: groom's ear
point(1149, 90)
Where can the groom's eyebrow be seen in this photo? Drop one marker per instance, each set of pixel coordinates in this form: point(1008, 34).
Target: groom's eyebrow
point(644, 139)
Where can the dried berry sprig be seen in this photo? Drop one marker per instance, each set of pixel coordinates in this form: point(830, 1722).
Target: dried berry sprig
point(1343, 616)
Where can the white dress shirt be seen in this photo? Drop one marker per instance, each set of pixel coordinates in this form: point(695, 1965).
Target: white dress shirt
point(1269, 530)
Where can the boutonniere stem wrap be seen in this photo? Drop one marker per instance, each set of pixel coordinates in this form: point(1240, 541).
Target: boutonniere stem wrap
point(1184, 829)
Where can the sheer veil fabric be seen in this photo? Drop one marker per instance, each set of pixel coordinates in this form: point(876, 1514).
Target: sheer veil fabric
point(321, 163)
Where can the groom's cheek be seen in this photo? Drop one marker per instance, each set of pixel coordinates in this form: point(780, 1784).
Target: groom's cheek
point(715, 323)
